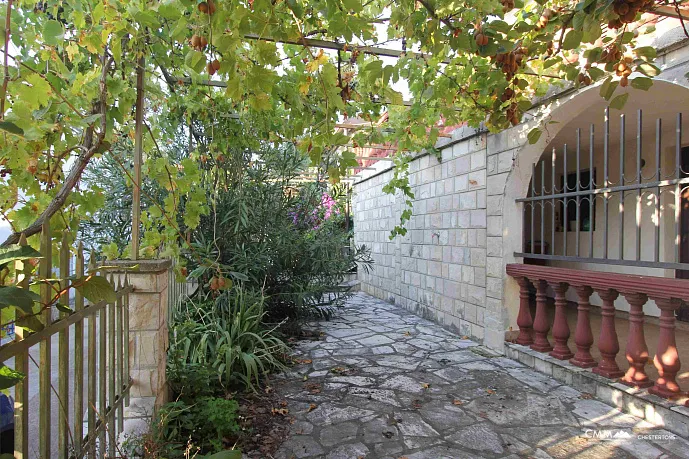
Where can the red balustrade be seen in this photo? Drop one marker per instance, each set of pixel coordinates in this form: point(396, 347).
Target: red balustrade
point(668, 293)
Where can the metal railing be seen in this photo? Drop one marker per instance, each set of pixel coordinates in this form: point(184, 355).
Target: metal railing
point(552, 212)
point(98, 355)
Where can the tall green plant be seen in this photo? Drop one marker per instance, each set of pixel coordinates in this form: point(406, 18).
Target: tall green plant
point(225, 336)
point(286, 241)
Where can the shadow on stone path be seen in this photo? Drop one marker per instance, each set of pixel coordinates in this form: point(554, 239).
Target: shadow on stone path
point(384, 383)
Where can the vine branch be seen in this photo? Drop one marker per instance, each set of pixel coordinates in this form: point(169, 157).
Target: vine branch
point(91, 144)
point(6, 78)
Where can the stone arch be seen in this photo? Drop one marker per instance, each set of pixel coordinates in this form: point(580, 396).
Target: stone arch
point(555, 117)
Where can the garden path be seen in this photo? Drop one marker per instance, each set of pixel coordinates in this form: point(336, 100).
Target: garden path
point(385, 383)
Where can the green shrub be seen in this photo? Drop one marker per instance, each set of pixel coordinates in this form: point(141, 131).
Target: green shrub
point(292, 244)
point(222, 336)
point(181, 429)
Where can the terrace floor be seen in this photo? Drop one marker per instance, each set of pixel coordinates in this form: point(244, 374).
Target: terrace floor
point(384, 383)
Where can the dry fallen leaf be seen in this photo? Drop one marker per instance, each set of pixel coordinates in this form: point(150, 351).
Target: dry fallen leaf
point(473, 182)
point(457, 402)
point(313, 388)
point(586, 396)
point(268, 389)
point(283, 403)
point(425, 385)
point(465, 337)
point(305, 361)
point(490, 391)
point(416, 404)
point(312, 407)
point(407, 333)
point(280, 411)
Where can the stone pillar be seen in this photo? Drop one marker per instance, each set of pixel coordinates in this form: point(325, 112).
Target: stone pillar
point(148, 334)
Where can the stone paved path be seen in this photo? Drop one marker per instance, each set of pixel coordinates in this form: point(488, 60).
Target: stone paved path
point(384, 383)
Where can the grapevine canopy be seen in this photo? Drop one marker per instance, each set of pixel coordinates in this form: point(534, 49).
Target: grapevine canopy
point(242, 74)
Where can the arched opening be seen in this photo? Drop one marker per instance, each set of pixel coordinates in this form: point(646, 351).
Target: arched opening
point(606, 194)
point(603, 194)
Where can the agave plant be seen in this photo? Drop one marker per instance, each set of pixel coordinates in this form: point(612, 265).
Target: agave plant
point(225, 334)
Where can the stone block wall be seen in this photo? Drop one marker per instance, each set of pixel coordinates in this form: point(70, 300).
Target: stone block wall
point(148, 327)
point(448, 267)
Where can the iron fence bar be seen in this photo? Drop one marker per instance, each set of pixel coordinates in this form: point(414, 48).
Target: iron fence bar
point(606, 182)
point(45, 357)
point(591, 185)
point(614, 189)
point(607, 261)
point(621, 207)
point(565, 217)
point(533, 207)
point(578, 201)
point(21, 364)
point(656, 254)
point(542, 207)
point(78, 428)
point(63, 358)
point(638, 180)
point(678, 191)
point(552, 201)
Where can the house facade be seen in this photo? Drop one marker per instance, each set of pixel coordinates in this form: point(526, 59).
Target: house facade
point(603, 191)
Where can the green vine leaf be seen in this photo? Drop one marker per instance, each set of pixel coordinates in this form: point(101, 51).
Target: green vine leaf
point(9, 378)
point(533, 135)
point(21, 298)
point(95, 289)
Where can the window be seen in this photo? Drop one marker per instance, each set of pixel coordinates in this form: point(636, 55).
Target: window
point(587, 213)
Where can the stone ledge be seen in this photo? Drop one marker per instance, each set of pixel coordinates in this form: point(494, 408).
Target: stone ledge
point(637, 402)
point(138, 266)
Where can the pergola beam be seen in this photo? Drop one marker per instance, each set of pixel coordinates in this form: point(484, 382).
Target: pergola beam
point(337, 46)
point(672, 12)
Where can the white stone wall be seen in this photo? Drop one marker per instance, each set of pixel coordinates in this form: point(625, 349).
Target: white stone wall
point(440, 269)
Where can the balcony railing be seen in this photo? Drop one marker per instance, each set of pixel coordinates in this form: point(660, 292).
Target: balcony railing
point(667, 293)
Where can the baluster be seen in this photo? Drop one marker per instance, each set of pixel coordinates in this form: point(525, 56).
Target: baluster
point(541, 325)
point(637, 352)
point(560, 328)
point(608, 344)
point(666, 359)
point(583, 337)
point(524, 320)
point(79, 357)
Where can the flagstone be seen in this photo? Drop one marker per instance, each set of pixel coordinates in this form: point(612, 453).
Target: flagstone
point(384, 383)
